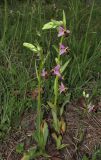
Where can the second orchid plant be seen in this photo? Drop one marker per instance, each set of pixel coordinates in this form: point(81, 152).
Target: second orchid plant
point(58, 122)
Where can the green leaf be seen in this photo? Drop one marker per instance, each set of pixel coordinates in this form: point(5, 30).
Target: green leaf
point(64, 19)
point(20, 148)
point(48, 25)
point(54, 116)
point(55, 120)
point(61, 110)
point(51, 105)
point(36, 71)
point(97, 154)
point(56, 48)
point(46, 155)
point(32, 152)
point(64, 66)
point(53, 24)
point(54, 136)
point(45, 58)
point(56, 86)
point(46, 132)
point(62, 146)
point(35, 136)
point(25, 157)
point(85, 157)
point(38, 47)
point(30, 46)
point(67, 99)
point(57, 23)
point(56, 60)
point(59, 139)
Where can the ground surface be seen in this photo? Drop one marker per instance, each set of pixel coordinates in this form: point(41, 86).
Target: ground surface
point(83, 133)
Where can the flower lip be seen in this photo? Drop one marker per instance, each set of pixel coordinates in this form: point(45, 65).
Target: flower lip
point(67, 32)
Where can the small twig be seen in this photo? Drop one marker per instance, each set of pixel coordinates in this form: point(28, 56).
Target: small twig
point(10, 153)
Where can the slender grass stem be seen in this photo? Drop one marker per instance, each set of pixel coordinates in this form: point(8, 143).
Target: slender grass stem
point(5, 22)
point(85, 42)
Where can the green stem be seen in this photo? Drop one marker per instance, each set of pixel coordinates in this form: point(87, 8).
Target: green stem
point(57, 82)
point(56, 93)
point(39, 98)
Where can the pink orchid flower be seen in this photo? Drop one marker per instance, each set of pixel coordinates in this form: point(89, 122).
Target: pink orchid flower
point(63, 49)
point(90, 107)
point(63, 32)
point(56, 70)
point(44, 73)
point(62, 88)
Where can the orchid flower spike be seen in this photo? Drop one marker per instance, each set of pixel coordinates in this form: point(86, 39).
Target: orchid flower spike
point(63, 32)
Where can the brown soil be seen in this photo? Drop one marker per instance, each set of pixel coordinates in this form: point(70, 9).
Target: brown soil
point(83, 133)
